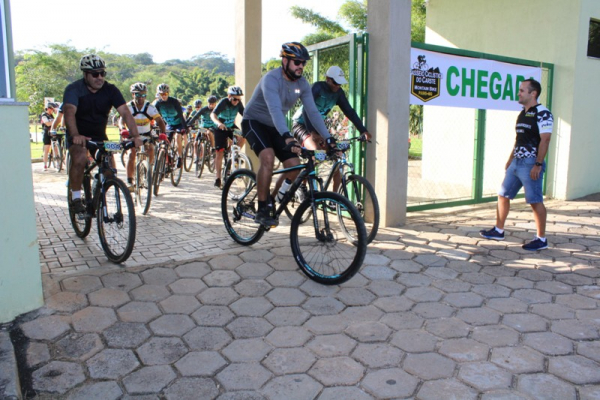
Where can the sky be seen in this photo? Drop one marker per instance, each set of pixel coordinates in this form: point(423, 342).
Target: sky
point(167, 29)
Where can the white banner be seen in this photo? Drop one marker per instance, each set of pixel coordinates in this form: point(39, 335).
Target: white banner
point(439, 79)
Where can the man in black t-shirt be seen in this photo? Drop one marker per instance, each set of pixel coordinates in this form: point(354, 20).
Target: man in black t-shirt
point(47, 118)
point(87, 104)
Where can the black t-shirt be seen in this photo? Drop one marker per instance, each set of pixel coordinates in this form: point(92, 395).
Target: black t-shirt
point(92, 108)
point(530, 123)
point(49, 117)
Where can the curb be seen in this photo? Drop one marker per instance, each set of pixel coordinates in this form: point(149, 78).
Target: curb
point(10, 388)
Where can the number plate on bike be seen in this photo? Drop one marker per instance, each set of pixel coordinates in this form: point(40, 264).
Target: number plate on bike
point(112, 146)
point(343, 145)
point(320, 155)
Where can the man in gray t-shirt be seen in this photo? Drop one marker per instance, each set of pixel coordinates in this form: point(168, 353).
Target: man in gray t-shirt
point(265, 127)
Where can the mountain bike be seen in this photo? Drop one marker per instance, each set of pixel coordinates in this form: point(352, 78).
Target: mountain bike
point(352, 186)
point(203, 149)
point(329, 250)
point(108, 200)
point(56, 154)
point(234, 158)
point(166, 163)
point(143, 178)
point(188, 152)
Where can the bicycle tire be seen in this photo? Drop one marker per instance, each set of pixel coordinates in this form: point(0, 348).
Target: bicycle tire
point(239, 203)
point(159, 171)
point(81, 223)
point(68, 162)
point(331, 258)
point(143, 186)
point(125, 157)
point(60, 158)
point(116, 221)
point(200, 161)
point(362, 194)
point(188, 156)
point(211, 160)
point(176, 171)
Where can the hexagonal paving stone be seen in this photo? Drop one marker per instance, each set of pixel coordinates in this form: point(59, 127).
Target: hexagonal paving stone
point(368, 331)
point(491, 290)
point(532, 296)
point(287, 316)
point(161, 350)
point(126, 335)
point(323, 306)
point(479, 316)
point(446, 389)
point(207, 338)
point(448, 328)
point(112, 364)
point(332, 345)
point(290, 361)
point(553, 311)
point(589, 393)
point(57, 377)
point(192, 388)
point(218, 296)
point(149, 379)
point(138, 311)
point(378, 272)
point(253, 288)
point(286, 278)
point(414, 341)
point(326, 324)
point(81, 284)
point(462, 350)
point(361, 314)
point(93, 319)
point(78, 346)
point(292, 387)
point(249, 327)
point(433, 310)
point(576, 369)
point(496, 335)
point(575, 330)
point(251, 307)
point(213, 316)
point(484, 376)
point(108, 297)
point(385, 288)
point(424, 294)
point(389, 383)
point(172, 325)
point(37, 353)
point(226, 261)
point(508, 305)
point(337, 371)
point(429, 366)
point(545, 386)
point(288, 336)
point(393, 304)
point(200, 363)
point(121, 280)
point(378, 355)
point(282, 297)
point(441, 272)
point(519, 360)
point(577, 302)
point(549, 343)
point(243, 377)
point(150, 293)
point(525, 322)
point(66, 301)
point(187, 286)
point(349, 393)
point(180, 304)
point(589, 349)
point(221, 278)
point(159, 276)
point(462, 300)
point(254, 270)
point(414, 280)
point(193, 270)
point(246, 350)
point(97, 390)
point(46, 328)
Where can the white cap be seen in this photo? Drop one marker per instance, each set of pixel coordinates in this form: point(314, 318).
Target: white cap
point(336, 73)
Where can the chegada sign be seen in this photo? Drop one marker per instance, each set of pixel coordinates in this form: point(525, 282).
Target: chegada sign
point(447, 80)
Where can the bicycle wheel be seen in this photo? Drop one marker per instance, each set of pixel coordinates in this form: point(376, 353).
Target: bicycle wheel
point(68, 162)
point(82, 223)
point(239, 204)
point(176, 171)
point(211, 159)
point(201, 154)
point(159, 171)
point(143, 186)
point(188, 156)
point(322, 249)
point(116, 221)
point(360, 192)
point(125, 157)
point(60, 159)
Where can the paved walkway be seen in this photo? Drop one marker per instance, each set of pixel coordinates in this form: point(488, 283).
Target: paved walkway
point(435, 313)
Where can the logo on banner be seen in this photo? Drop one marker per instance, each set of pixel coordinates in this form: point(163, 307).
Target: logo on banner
point(425, 81)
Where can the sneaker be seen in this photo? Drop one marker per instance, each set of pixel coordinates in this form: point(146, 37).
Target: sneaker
point(218, 183)
point(536, 244)
point(263, 217)
point(78, 206)
point(179, 162)
point(492, 234)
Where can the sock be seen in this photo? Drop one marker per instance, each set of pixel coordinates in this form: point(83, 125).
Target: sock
point(543, 239)
point(76, 194)
point(499, 230)
point(129, 180)
point(262, 204)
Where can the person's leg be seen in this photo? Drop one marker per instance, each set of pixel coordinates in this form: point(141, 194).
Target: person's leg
point(46, 151)
point(179, 145)
point(131, 165)
point(539, 214)
point(502, 209)
point(265, 174)
point(219, 162)
point(78, 157)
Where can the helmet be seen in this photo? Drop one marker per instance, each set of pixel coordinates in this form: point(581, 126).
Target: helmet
point(138, 87)
point(52, 105)
point(212, 99)
point(235, 90)
point(162, 88)
point(294, 50)
point(91, 62)
point(334, 72)
point(198, 103)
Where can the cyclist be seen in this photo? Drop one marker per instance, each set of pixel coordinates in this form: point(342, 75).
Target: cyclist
point(171, 111)
point(223, 117)
point(47, 118)
point(58, 120)
point(188, 111)
point(205, 121)
point(265, 127)
point(87, 104)
point(143, 113)
point(188, 118)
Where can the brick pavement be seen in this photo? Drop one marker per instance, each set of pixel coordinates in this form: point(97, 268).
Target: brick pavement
point(435, 313)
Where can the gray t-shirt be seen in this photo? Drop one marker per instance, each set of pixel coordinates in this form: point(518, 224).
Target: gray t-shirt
point(274, 96)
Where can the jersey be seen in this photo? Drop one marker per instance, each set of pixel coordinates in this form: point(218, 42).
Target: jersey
point(92, 108)
point(204, 116)
point(530, 124)
point(274, 96)
point(45, 118)
point(143, 116)
point(226, 112)
point(326, 99)
point(171, 112)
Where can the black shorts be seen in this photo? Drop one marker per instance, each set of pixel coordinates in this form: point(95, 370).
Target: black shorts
point(221, 138)
point(47, 138)
point(261, 136)
point(301, 134)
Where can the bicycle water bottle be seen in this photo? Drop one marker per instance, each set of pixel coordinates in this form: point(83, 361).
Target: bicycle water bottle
point(284, 187)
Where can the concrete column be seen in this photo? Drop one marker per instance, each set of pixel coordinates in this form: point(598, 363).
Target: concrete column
point(248, 40)
point(389, 68)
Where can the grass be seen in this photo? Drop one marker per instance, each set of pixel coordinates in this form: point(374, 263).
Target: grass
point(37, 149)
point(416, 148)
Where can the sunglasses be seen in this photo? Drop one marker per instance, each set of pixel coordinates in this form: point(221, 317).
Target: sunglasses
point(96, 74)
point(235, 99)
point(299, 62)
point(140, 95)
point(164, 94)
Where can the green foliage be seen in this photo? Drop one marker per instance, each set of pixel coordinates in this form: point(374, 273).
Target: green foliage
point(417, 21)
point(354, 12)
point(321, 23)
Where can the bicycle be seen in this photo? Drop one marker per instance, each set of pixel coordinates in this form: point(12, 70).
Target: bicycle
point(143, 178)
point(188, 152)
point(55, 155)
point(166, 163)
point(108, 200)
point(234, 158)
point(354, 187)
point(330, 250)
point(203, 150)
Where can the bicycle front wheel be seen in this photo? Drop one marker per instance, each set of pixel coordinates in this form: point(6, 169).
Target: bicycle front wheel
point(143, 186)
point(360, 192)
point(177, 170)
point(116, 221)
point(211, 159)
point(188, 156)
point(200, 159)
point(125, 157)
point(159, 171)
point(322, 249)
point(239, 203)
point(82, 222)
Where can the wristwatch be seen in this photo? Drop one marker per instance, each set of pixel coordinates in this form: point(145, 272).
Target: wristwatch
point(538, 164)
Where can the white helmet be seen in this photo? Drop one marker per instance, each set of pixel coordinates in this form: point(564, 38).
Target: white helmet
point(162, 88)
point(334, 72)
point(235, 91)
point(91, 62)
point(138, 87)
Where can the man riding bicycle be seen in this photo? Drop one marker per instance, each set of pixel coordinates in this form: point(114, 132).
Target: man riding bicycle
point(265, 127)
point(87, 104)
point(205, 121)
point(171, 111)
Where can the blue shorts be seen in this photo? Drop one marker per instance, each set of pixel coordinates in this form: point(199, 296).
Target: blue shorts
point(518, 176)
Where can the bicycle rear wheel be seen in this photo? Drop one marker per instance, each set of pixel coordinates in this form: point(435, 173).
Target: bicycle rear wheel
point(241, 161)
point(143, 186)
point(211, 159)
point(200, 158)
point(188, 156)
point(360, 192)
point(116, 221)
point(176, 171)
point(82, 223)
point(239, 203)
point(322, 249)
point(125, 157)
point(159, 171)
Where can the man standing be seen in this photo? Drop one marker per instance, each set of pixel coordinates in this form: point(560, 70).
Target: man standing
point(47, 119)
point(526, 165)
point(87, 103)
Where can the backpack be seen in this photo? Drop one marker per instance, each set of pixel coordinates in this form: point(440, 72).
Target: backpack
point(142, 111)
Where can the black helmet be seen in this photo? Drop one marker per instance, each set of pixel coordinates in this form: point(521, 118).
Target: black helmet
point(91, 62)
point(294, 50)
point(197, 103)
point(212, 99)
